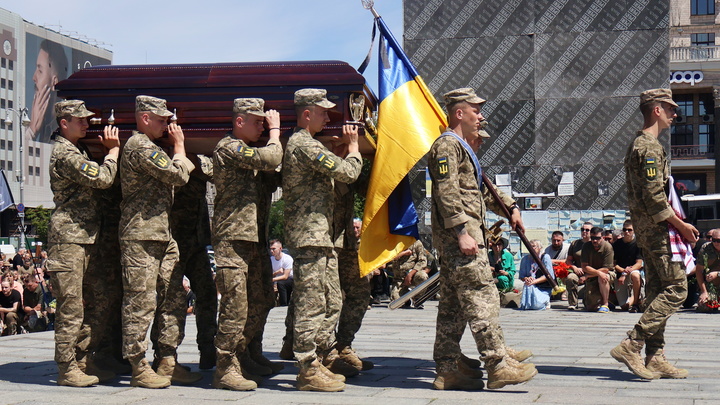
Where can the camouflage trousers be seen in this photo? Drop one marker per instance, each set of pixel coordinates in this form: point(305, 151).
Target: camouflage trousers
point(261, 299)
point(233, 259)
point(357, 296)
point(317, 300)
point(195, 265)
point(665, 286)
point(397, 289)
point(467, 295)
point(151, 281)
point(68, 263)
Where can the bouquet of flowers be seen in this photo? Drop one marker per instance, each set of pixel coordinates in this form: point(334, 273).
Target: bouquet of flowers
point(561, 270)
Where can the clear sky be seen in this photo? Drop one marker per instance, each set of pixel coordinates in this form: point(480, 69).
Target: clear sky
point(185, 31)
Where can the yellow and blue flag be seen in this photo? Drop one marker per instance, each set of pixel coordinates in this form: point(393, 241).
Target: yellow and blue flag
point(409, 121)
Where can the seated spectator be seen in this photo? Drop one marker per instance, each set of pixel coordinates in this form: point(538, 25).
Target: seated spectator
point(282, 267)
point(575, 280)
point(558, 249)
point(408, 269)
point(537, 288)
point(628, 264)
point(707, 271)
point(14, 279)
point(379, 286)
point(17, 261)
point(190, 297)
point(35, 319)
point(5, 263)
point(608, 236)
point(10, 308)
point(503, 264)
point(597, 264)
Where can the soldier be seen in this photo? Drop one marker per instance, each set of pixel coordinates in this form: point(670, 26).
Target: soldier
point(468, 292)
point(149, 254)
point(74, 225)
point(408, 270)
point(238, 249)
point(647, 169)
point(309, 173)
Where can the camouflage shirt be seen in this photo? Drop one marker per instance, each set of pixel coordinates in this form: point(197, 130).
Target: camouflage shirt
point(309, 173)
point(416, 260)
point(189, 218)
point(709, 258)
point(343, 231)
point(238, 208)
point(646, 175)
point(456, 195)
point(147, 177)
point(74, 179)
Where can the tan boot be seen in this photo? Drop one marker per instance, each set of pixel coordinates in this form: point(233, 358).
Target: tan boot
point(467, 371)
point(336, 377)
point(311, 378)
point(472, 363)
point(337, 365)
point(69, 374)
point(168, 367)
point(456, 380)
point(260, 359)
point(350, 357)
point(87, 365)
point(286, 353)
point(658, 364)
point(227, 374)
point(144, 376)
point(251, 366)
point(502, 373)
point(518, 355)
point(628, 352)
point(515, 363)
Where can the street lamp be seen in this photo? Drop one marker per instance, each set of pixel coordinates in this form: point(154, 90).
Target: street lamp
point(25, 122)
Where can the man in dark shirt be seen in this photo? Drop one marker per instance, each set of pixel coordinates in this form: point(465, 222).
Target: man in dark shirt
point(33, 305)
point(576, 277)
point(17, 261)
point(597, 264)
point(10, 300)
point(628, 263)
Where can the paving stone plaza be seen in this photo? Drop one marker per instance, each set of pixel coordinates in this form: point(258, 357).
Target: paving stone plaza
point(571, 354)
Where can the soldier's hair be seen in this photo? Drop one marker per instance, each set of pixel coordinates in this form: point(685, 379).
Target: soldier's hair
point(647, 108)
point(274, 241)
point(299, 109)
point(65, 117)
point(627, 222)
point(587, 223)
point(596, 229)
point(558, 233)
point(454, 106)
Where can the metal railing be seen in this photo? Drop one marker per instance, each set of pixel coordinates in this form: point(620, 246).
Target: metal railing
point(694, 53)
point(692, 151)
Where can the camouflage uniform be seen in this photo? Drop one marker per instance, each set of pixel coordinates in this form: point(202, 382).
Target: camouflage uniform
point(709, 258)
point(237, 220)
point(149, 253)
point(356, 289)
point(74, 227)
point(402, 266)
point(647, 170)
point(468, 292)
point(309, 173)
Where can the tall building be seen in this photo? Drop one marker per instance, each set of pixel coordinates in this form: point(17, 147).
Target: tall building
point(32, 60)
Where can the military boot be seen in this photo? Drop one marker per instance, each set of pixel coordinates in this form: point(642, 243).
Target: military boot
point(286, 353)
point(336, 377)
point(250, 376)
point(456, 380)
point(516, 363)
point(501, 373)
point(472, 363)
point(350, 357)
point(467, 371)
point(87, 365)
point(207, 358)
point(227, 374)
point(168, 367)
point(658, 364)
point(69, 374)
point(144, 376)
point(260, 359)
point(518, 355)
point(337, 365)
point(628, 352)
point(251, 366)
point(311, 378)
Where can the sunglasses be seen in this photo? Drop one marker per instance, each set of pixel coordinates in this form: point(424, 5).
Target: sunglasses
point(595, 237)
point(715, 240)
point(585, 230)
point(627, 229)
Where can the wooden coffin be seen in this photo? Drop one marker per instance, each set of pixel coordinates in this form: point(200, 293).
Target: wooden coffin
point(202, 96)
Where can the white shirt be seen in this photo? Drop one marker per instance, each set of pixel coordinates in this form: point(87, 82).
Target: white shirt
point(285, 262)
point(554, 253)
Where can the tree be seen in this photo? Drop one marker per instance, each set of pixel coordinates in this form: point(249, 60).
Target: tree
point(39, 218)
point(277, 220)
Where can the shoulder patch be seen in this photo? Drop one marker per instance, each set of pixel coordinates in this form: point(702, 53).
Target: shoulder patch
point(90, 170)
point(443, 167)
point(650, 168)
point(159, 159)
point(246, 151)
point(326, 161)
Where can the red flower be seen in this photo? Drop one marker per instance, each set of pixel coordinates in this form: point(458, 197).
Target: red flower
point(561, 270)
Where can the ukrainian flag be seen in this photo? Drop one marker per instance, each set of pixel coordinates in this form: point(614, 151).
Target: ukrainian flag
point(409, 121)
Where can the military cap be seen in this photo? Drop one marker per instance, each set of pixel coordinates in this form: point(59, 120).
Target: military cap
point(482, 132)
point(252, 106)
point(465, 94)
point(662, 95)
point(154, 105)
point(73, 108)
point(304, 97)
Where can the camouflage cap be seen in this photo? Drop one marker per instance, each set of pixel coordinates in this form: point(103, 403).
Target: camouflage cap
point(254, 106)
point(154, 105)
point(464, 94)
point(317, 97)
point(482, 132)
point(662, 95)
point(73, 108)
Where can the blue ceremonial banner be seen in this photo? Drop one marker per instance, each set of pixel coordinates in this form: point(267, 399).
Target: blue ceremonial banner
point(6, 198)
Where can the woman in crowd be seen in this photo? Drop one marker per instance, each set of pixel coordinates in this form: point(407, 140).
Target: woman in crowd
point(537, 288)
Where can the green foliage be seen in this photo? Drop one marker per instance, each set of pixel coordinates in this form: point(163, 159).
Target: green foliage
point(39, 218)
point(277, 220)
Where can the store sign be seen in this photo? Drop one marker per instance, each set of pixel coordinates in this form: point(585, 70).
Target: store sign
point(687, 76)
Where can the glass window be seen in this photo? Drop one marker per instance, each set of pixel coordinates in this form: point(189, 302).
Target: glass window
point(702, 39)
point(681, 134)
point(685, 104)
point(3, 83)
point(11, 64)
point(37, 152)
point(10, 85)
point(2, 103)
point(2, 144)
point(4, 62)
point(30, 150)
point(10, 145)
point(2, 164)
point(10, 165)
point(37, 171)
point(702, 7)
point(10, 104)
point(30, 170)
point(707, 104)
point(706, 136)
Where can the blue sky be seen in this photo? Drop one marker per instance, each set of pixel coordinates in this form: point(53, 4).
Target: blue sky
point(208, 31)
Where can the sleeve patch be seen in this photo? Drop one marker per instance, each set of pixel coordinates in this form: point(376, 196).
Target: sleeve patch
point(159, 159)
point(90, 170)
point(443, 167)
point(650, 168)
point(326, 161)
point(246, 151)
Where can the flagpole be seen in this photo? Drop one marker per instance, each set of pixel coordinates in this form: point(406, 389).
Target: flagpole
point(369, 4)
